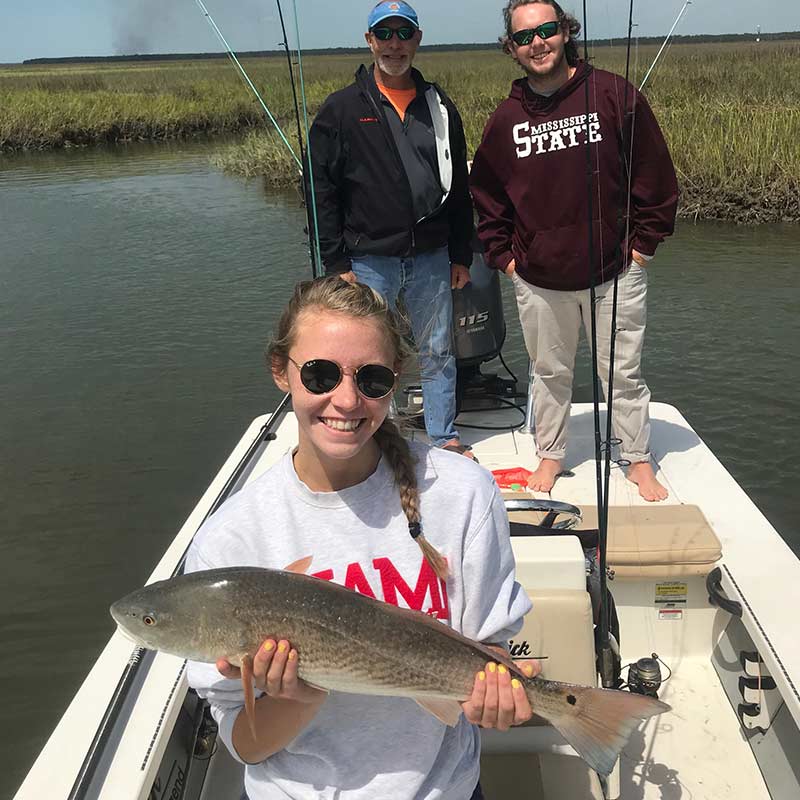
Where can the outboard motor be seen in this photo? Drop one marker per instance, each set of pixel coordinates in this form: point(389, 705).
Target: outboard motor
point(479, 331)
point(479, 327)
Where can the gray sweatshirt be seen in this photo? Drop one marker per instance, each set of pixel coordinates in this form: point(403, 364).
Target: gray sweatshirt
point(364, 746)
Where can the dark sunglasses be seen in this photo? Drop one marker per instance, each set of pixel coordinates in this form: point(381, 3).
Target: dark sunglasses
point(543, 31)
point(384, 33)
point(321, 376)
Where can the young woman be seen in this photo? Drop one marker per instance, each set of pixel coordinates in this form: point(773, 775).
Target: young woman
point(409, 524)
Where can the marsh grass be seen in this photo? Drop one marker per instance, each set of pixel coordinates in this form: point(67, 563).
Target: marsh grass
point(730, 112)
point(262, 154)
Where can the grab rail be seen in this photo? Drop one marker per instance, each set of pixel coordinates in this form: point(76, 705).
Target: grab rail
point(716, 594)
point(553, 509)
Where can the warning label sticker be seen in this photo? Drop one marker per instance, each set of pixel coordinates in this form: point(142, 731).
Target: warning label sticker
point(671, 593)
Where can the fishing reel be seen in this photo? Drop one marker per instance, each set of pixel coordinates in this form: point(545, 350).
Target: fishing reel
point(644, 677)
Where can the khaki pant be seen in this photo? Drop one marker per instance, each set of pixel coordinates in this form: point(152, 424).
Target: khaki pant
point(551, 322)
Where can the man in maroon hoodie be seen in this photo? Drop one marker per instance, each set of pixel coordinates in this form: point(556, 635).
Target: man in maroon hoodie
point(529, 184)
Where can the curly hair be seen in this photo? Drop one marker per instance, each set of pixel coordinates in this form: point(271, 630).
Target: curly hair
point(568, 24)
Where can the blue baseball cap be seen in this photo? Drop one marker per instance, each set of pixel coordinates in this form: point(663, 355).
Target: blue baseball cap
point(392, 8)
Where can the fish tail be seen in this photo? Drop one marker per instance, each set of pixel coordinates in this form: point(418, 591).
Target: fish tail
point(596, 722)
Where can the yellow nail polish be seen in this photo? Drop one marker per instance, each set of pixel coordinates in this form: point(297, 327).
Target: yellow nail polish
point(292, 655)
point(481, 676)
point(528, 669)
point(282, 647)
point(492, 667)
point(515, 684)
point(268, 646)
point(502, 670)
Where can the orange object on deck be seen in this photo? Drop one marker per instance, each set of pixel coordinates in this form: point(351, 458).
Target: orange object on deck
point(515, 477)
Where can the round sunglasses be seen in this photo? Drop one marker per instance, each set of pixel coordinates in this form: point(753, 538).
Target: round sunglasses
point(383, 33)
point(543, 31)
point(321, 376)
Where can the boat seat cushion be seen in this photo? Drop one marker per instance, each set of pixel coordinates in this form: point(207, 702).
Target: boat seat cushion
point(519, 763)
point(560, 627)
point(651, 541)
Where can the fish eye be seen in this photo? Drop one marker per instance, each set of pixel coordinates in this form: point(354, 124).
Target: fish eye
point(148, 619)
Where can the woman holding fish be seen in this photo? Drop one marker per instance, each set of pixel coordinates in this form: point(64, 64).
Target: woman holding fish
point(355, 504)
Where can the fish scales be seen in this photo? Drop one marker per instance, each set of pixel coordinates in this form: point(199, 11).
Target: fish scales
point(341, 636)
point(352, 643)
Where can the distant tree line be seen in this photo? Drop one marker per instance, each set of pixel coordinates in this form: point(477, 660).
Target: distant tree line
point(702, 39)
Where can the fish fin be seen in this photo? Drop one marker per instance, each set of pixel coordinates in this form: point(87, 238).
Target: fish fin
point(599, 722)
point(445, 710)
point(249, 693)
point(300, 566)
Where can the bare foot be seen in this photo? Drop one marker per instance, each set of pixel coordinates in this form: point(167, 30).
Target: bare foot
point(643, 476)
point(544, 476)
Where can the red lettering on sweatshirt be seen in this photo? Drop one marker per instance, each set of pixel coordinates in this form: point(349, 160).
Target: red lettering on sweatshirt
point(357, 581)
point(427, 585)
point(429, 595)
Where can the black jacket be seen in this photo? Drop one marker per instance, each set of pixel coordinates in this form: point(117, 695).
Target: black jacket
point(363, 198)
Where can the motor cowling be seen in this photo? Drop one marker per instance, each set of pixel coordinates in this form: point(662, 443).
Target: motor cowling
point(479, 328)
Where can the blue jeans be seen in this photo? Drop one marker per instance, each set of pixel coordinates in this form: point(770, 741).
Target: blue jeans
point(425, 282)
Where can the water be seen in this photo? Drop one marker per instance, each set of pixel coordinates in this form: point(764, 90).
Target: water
point(137, 289)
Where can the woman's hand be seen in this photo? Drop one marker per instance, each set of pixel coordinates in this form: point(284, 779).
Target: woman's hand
point(510, 268)
point(498, 700)
point(275, 672)
point(283, 712)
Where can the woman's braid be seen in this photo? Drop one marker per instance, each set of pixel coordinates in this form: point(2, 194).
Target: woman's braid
point(396, 451)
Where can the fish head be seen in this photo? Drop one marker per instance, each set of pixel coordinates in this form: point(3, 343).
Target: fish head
point(160, 616)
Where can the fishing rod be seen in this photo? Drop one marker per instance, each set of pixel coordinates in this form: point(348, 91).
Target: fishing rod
point(304, 161)
point(605, 656)
point(305, 152)
point(669, 36)
point(311, 189)
point(608, 659)
point(285, 44)
point(246, 78)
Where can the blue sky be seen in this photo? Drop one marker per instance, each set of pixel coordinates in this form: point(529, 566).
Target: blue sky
point(39, 28)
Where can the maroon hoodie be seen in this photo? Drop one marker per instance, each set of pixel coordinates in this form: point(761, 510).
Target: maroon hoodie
point(529, 181)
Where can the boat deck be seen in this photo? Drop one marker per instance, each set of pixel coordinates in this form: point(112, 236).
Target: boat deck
point(687, 753)
point(755, 560)
point(698, 750)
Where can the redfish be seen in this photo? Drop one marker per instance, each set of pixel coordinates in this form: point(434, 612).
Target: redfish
point(348, 642)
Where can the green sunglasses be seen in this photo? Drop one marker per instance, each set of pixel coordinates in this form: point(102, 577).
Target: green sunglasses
point(543, 31)
point(384, 33)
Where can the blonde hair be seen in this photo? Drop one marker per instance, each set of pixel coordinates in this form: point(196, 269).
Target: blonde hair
point(361, 302)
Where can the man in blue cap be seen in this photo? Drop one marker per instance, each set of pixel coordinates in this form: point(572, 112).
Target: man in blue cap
point(393, 206)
